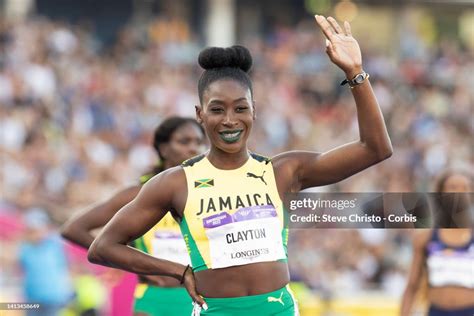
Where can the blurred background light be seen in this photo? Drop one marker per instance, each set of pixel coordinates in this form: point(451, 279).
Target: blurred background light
point(346, 10)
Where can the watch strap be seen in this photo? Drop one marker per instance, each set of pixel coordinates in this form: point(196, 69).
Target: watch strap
point(352, 82)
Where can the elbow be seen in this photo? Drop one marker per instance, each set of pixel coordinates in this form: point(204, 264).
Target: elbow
point(386, 153)
point(67, 231)
point(388, 149)
point(383, 152)
point(378, 154)
point(95, 253)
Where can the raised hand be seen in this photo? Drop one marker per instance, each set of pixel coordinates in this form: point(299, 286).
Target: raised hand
point(341, 47)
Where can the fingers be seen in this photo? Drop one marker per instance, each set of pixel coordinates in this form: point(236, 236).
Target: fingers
point(198, 299)
point(325, 26)
point(330, 27)
point(335, 25)
point(190, 285)
point(197, 308)
point(329, 49)
point(347, 27)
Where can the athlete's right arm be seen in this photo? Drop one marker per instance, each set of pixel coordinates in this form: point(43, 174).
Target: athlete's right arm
point(417, 271)
point(78, 229)
point(134, 220)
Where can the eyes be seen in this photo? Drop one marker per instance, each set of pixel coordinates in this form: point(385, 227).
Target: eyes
point(220, 109)
point(242, 108)
point(216, 110)
point(188, 141)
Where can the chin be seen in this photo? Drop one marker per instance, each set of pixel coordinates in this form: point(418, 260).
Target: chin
point(231, 148)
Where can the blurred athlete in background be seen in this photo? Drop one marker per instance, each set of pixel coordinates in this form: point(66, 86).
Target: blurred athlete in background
point(175, 140)
point(445, 258)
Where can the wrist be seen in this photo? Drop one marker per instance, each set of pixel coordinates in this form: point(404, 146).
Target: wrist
point(350, 74)
point(177, 271)
point(188, 268)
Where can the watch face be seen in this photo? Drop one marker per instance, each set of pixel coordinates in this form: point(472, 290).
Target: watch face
point(359, 78)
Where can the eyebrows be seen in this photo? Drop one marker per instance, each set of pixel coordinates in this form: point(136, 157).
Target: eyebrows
point(216, 101)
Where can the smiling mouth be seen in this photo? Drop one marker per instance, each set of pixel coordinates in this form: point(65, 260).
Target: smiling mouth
point(230, 136)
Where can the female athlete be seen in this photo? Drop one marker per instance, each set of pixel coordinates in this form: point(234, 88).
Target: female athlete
point(446, 258)
point(229, 200)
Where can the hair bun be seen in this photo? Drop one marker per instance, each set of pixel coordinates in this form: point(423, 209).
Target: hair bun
point(218, 57)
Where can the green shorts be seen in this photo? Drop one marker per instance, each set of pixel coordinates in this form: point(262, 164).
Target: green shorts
point(280, 302)
point(158, 301)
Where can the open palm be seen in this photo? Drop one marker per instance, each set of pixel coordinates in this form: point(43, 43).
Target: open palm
point(342, 48)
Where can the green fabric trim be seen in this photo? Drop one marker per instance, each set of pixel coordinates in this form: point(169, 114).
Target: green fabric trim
point(191, 161)
point(196, 259)
point(146, 177)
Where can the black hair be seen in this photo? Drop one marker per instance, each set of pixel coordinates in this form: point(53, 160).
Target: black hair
point(163, 133)
point(448, 204)
point(441, 181)
point(221, 63)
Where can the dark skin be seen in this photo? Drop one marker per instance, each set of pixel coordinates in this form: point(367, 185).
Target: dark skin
point(227, 105)
point(184, 144)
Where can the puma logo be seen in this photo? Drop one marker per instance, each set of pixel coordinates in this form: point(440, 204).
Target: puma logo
point(249, 174)
point(273, 299)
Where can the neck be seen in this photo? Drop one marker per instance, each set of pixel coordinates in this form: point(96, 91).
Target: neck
point(456, 234)
point(228, 161)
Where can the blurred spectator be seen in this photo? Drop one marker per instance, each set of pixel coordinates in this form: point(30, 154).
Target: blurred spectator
point(43, 260)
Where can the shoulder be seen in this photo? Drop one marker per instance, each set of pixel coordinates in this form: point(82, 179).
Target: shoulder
point(291, 160)
point(168, 180)
point(162, 190)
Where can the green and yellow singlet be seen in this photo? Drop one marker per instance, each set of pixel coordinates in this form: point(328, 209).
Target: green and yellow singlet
point(233, 217)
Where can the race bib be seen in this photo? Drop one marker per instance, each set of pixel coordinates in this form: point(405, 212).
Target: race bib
point(453, 270)
point(250, 235)
point(170, 246)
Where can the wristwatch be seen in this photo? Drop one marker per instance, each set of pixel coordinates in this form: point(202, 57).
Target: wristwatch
point(357, 80)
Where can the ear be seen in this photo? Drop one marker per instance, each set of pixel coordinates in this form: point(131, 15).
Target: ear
point(198, 109)
point(254, 116)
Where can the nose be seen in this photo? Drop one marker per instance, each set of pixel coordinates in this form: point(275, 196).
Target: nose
point(229, 119)
point(193, 148)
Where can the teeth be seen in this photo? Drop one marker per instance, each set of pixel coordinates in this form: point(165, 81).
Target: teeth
point(231, 135)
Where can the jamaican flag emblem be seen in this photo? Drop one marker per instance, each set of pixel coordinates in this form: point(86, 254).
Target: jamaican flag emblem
point(204, 183)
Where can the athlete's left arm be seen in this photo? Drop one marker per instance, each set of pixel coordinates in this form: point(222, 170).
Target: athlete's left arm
point(315, 169)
